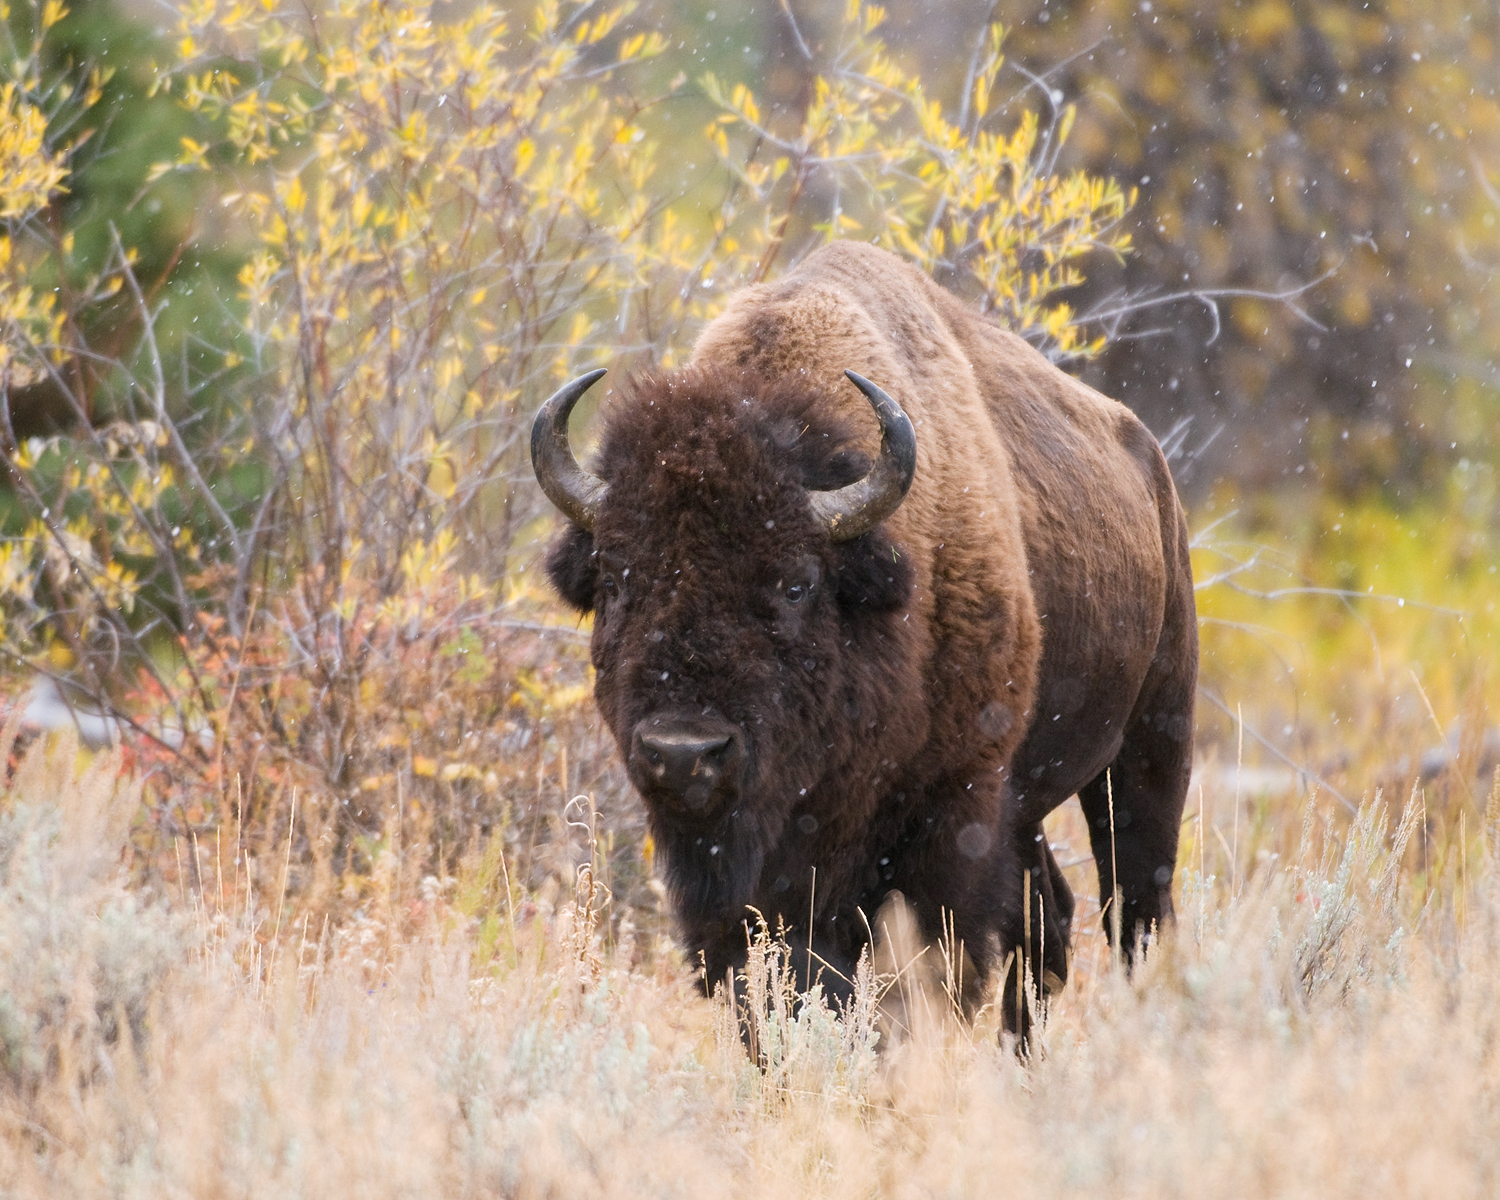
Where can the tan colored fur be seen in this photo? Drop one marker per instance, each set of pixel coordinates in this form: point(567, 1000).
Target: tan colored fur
point(1026, 493)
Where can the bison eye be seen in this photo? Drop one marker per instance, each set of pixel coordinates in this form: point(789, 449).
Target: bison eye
point(796, 593)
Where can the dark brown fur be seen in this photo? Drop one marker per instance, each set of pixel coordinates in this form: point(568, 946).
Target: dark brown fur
point(1020, 626)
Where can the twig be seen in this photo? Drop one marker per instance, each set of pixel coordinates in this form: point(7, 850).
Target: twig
point(1307, 772)
point(1110, 313)
point(1442, 737)
point(796, 32)
point(158, 397)
point(979, 40)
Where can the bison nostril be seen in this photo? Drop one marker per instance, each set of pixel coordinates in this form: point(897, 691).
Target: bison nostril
point(691, 759)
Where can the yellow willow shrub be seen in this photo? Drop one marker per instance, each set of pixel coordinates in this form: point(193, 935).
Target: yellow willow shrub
point(32, 170)
point(445, 214)
point(442, 211)
point(976, 202)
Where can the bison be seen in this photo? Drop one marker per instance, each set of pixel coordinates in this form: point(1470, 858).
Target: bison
point(855, 639)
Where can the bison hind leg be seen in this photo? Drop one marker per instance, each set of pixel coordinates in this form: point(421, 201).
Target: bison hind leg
point(1134, 811)
point(1134, 806)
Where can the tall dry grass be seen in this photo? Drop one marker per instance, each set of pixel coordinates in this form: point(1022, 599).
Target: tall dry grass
point(1322, 1027)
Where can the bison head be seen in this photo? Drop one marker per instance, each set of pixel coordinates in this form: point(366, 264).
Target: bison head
point(748, 639)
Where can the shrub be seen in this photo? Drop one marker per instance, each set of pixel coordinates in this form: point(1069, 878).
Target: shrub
point(317, 591)
point(81, 956)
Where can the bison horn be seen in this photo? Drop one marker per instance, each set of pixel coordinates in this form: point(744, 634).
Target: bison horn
point(857, 508)
point(576, 492)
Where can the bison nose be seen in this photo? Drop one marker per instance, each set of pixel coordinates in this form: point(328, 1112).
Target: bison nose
point(691, 762)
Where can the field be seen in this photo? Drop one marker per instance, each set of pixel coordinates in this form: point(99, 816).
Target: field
point(1323, 1020)
point(347, 894)
point(1323, 1029)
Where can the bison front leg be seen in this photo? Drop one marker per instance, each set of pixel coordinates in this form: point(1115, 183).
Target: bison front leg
point(768, 975)
point(1035, 932)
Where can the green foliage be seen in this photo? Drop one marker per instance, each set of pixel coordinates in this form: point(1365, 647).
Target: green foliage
point(32, 170)
point(93, 73)
point(1352, 638)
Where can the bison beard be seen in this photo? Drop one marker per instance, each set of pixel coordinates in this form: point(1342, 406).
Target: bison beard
point(825, 692)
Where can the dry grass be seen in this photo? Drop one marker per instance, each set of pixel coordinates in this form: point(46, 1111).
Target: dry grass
point(1329, 1030)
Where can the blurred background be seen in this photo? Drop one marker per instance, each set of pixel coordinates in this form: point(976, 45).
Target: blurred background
point(282, 289)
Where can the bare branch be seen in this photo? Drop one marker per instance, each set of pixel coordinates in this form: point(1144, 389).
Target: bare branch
point(1114, 311)
point(1265, 744)
point(796, 32)
point(158, 398)
point(973, 72)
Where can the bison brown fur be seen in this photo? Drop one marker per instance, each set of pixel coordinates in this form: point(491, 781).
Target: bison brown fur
point(815, 723)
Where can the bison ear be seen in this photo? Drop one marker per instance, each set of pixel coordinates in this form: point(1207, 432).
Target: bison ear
point(873, 575)
point(570, 566)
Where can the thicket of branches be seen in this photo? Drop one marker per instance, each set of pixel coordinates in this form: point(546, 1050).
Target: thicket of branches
point(1281, 144)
